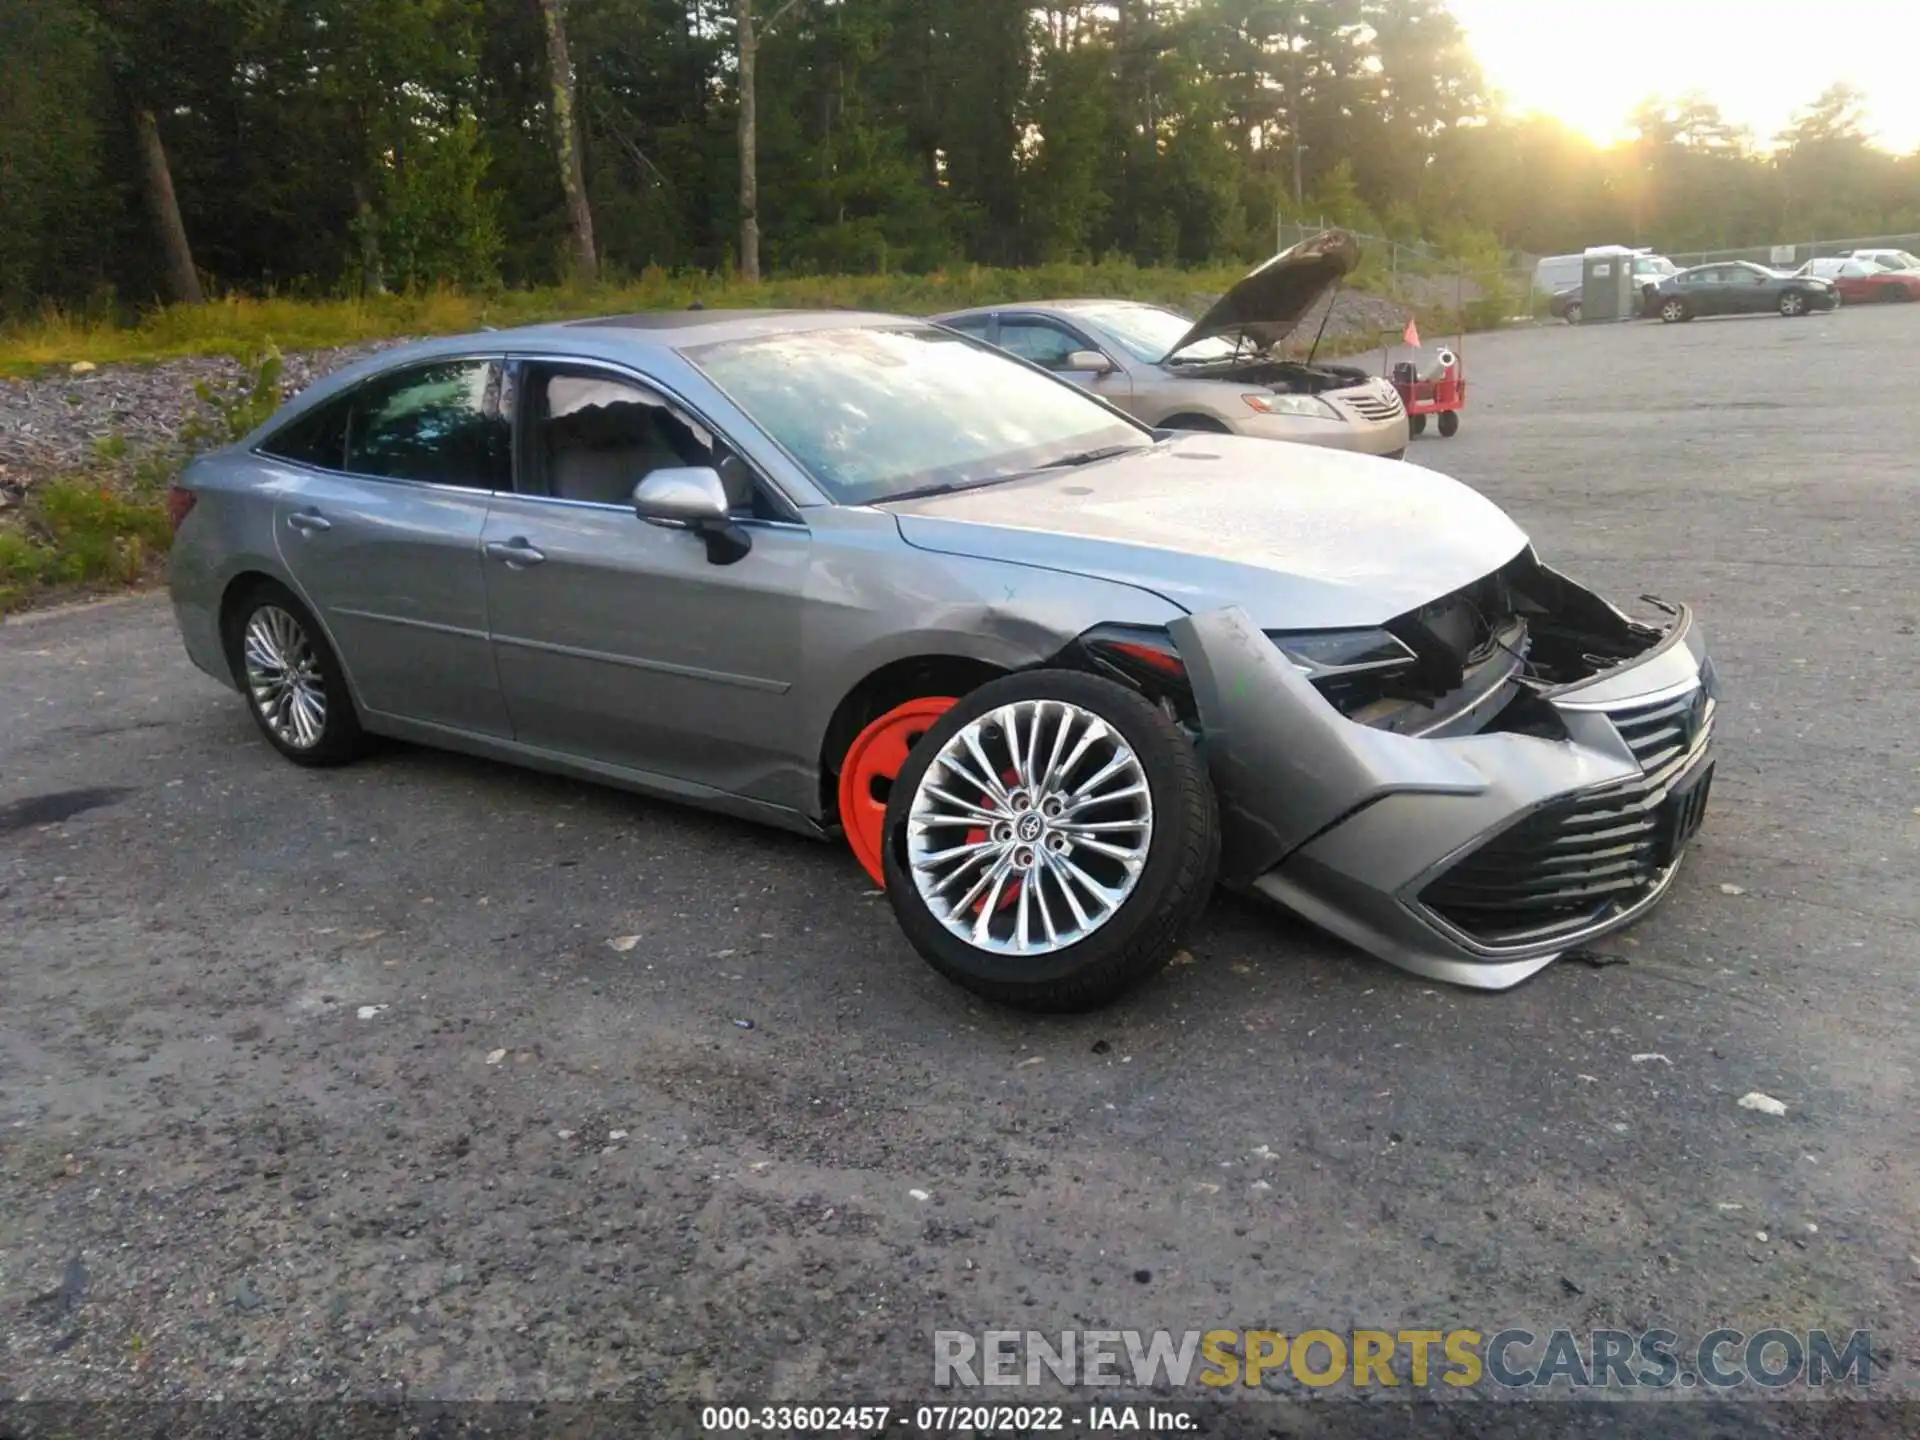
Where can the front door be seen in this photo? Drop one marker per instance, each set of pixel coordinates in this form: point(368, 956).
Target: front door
point(379, 523)
point(618, 641)
point(1052, 346)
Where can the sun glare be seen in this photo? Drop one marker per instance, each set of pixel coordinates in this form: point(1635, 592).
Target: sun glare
point(1590, 66)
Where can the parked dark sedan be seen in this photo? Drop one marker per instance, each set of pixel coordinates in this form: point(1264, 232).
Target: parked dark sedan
point(1739, 287)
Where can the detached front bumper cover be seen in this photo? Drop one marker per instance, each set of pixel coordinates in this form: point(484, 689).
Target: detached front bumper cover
point(1474, 859)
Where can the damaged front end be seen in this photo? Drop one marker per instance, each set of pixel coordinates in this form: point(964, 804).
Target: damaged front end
point(1466, 791)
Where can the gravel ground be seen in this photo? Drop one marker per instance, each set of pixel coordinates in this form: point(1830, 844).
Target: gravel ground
point(57, 421)
point(433, 1079)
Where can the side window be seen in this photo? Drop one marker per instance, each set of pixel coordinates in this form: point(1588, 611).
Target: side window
point(1037, 340)
point(317, 438)
point(974, 325)
point(450, 423)
point(594, 437)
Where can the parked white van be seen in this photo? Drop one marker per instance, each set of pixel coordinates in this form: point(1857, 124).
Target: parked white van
point(1556, 273)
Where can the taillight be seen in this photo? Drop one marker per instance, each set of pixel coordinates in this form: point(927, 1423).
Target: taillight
point(179, 502)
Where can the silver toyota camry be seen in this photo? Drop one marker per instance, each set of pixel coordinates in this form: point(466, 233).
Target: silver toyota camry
point(1224, 372)
point(1049, 672)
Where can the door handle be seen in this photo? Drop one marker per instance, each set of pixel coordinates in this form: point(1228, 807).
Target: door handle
point(309, 522)
point(517, 552)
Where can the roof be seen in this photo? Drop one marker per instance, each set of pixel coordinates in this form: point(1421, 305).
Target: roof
point(1084, 303)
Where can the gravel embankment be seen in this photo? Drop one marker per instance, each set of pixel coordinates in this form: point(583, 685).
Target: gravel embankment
point(58, 421)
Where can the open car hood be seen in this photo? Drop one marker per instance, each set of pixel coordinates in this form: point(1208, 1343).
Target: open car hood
point(1267, 305)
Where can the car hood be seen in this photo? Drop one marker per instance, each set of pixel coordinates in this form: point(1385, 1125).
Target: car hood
point(1267, 305)
point(1299, 536)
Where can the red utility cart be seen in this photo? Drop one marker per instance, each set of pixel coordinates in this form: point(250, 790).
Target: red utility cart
point(1445, 395)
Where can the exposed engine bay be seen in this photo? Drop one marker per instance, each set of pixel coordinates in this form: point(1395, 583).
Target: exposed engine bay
point(1478, 659)
point(1294, 377)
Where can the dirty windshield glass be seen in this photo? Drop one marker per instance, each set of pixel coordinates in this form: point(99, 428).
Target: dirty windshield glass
point(1147, 332)
point(873, 413)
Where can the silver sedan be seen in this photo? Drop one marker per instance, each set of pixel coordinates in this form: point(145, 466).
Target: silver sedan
point(1223, 372)
point(1049, 673)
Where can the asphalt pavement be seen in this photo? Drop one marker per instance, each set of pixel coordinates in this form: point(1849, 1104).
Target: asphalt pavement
point(430, 1078)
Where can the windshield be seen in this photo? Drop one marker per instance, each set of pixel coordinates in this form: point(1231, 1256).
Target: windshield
point(873, 413)
point(1147, 333)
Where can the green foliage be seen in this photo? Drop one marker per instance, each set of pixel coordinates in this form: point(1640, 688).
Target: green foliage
point(322, 148)
point(237, 410)
point(80, 530)
point(438, 224)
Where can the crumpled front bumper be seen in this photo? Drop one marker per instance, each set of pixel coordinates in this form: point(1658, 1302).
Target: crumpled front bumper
point(1382, 839)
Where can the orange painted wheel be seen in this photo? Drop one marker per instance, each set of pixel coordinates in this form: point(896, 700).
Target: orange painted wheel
point(873, 761)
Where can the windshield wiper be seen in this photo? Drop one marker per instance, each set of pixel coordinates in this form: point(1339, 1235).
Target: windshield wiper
point(945, 487)
point(1087, 457)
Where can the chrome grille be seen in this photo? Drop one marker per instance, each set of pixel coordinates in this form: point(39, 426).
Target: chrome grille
point(1573, 862)
point(1372, 404)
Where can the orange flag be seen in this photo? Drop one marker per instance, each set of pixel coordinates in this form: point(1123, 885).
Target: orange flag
point(1412, 337)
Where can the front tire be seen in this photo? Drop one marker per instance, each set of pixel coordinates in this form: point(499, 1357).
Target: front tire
point(1202, 424)
point(1793, 304)
point(1416, 424)
point(295, 688)
point(1050, 841)
point(1449, 424)
point(1672, 312)
point(1574, 312)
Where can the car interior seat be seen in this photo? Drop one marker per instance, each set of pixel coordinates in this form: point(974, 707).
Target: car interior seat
point(601, 452)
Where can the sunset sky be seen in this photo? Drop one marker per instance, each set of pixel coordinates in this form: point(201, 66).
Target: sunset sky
point(1758, 61)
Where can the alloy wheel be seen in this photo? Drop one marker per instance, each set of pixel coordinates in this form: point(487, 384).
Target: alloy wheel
point(1030, 828)
point(283, 677)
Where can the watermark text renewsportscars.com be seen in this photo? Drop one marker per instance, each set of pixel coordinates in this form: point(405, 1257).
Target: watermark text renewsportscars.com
point(1514, 1359)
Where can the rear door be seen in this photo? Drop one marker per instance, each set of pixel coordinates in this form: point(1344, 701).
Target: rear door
point(618, 641)
point(378, 519)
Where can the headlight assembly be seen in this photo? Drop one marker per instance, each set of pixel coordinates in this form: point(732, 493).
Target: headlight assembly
point(1311, 406)
point(1326, 654)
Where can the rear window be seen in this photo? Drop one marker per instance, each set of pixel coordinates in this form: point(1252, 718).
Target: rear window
point(318, 437)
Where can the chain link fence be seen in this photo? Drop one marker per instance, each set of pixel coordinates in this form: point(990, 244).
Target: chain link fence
point(1791, 255)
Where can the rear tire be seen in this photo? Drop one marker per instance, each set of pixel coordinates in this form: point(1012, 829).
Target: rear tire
point(1574, 312)
point(1077, 880)
point(1672, 312)
point(1416, 424)
point(295, 688)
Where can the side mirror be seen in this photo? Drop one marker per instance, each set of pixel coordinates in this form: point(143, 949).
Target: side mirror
point(692, 498)
point(1090, 360)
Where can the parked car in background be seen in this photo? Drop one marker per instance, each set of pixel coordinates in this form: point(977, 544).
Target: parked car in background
point(1865, 282)
point(1892, 259)
point(1739, 287)
point(845, 572)
point(1221, 372)
point(1568, 305)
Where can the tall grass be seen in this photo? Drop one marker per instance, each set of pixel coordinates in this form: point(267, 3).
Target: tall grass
point(242, 326)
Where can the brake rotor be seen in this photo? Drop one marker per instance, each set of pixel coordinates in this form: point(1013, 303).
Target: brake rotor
point(872, 764)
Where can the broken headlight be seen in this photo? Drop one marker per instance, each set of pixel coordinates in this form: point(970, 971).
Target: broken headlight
point(1355, 671)
point(1344, 652)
